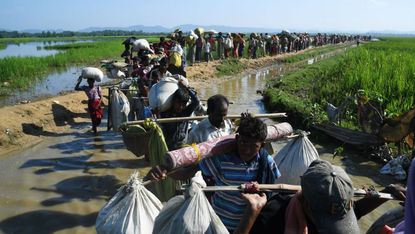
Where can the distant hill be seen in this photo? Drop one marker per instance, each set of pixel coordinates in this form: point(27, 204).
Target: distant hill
point(143, 28)
point(184, 28)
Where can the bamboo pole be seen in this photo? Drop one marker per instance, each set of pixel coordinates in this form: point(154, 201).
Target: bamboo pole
point(146, 98)
point(178, 119)
point(285, 188)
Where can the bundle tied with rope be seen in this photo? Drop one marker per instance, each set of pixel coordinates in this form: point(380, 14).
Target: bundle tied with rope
point(133, 209)
point(193, 154)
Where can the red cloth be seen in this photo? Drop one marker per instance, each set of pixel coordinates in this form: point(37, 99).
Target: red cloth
point(96, 112)
point(295, 220)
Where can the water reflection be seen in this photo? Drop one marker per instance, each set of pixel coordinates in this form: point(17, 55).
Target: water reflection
point(35, 49)
point(51, 85)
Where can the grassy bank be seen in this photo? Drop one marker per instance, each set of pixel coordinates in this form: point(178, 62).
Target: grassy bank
point(234, 66)
point(384, 70)
point(314, 52)
point(21, 72)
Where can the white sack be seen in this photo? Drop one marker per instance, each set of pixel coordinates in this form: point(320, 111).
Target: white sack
point(117, 74)
point(294, 159)
point(141, 44)
point(190, 213)
point(120, 108)
point(161, 94)
point(132, 210)
point(92, 73)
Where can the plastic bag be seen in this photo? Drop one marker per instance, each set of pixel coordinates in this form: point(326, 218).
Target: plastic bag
point(294, 158)
point(133, 209)
point(189, 213)
point(396, 166)
point(120, 108)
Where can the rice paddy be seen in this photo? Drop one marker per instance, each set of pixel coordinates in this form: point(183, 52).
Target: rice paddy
point(385, 70)
point(20, 72)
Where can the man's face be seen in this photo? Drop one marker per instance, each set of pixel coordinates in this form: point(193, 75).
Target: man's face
point(178, 106)
point(163, 67)
point(248, 147)
point(217, 117)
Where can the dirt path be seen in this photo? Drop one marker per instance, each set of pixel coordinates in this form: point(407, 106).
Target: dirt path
point(27, 124)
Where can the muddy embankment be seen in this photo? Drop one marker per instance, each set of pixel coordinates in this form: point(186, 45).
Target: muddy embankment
point(24, 125)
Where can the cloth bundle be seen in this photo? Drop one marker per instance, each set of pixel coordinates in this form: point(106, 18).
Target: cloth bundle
point(192, 154)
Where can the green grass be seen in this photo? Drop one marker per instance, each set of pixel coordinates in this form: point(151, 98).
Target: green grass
point(314, 52)
point(2, 46)
point(385, 70)
point(229, 67)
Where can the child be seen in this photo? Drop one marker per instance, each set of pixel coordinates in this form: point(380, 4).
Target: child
point(207, 51)
point(94, 94)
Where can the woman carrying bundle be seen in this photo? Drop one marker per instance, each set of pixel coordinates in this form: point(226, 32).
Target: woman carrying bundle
point(94, 94)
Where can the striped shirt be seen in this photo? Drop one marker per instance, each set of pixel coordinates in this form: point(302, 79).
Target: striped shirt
point(229, 169)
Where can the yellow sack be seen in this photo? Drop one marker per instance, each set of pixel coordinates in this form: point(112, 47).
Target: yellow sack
point(175, 59)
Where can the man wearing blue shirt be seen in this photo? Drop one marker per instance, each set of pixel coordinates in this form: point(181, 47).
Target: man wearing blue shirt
point(248, 163)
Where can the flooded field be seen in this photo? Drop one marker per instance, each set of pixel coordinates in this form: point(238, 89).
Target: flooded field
point(60, 184)
point(34, 48)
point(53, 84)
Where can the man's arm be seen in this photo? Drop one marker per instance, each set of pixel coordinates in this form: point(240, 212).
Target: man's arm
point(159, 172)
point(255, 204)
point(77, 88)
point(194, 103)
point(368, 204)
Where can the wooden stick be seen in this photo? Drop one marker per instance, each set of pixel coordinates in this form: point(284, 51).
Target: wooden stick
point(283, 188)
point(147, 182)
point(262, 187)
point(202, 100)
point(178, 119)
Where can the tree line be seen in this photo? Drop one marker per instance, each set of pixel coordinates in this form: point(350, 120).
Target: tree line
point(46, 34)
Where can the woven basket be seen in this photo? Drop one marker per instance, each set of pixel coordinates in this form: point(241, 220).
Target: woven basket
point(135, 142)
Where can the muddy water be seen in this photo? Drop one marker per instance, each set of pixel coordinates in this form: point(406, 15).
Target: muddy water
point(60, 184)
point(33, 48)
point(50, 85)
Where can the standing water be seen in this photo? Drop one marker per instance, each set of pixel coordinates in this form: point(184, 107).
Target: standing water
point(51, 85)
point(36, 49)
point(60, 184)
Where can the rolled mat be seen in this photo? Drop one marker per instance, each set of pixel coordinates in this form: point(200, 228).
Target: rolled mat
point(196, 152)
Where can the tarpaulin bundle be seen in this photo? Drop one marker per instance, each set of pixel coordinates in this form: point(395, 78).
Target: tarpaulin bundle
point(132, 210)
point(190, 213)
point(194, 153)
point(157, 149)
point(294, 159)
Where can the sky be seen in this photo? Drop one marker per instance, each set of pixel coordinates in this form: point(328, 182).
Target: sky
point(321, 15)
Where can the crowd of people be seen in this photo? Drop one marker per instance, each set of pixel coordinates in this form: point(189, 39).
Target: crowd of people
point(324, 205)
point(186, 50)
